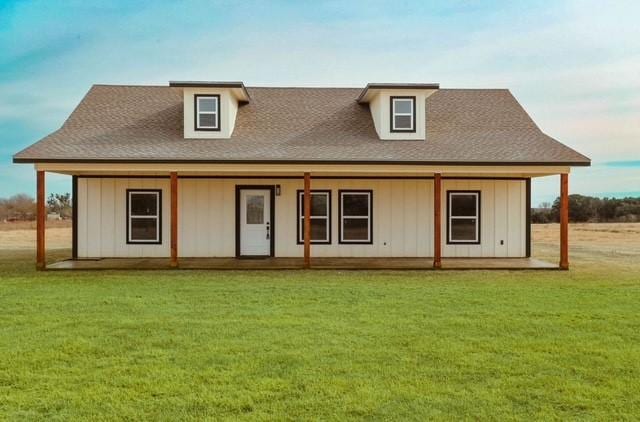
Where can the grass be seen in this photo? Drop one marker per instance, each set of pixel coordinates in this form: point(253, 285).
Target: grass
point(170, 345)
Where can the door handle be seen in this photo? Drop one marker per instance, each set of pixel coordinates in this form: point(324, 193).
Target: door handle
point(268, 231)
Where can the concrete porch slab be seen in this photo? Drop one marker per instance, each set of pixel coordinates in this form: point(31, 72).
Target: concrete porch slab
point(297, 263)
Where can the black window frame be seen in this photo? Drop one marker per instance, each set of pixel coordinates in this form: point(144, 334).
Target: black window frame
point(196, 113)
point(300, 218)
point(478, 217)
point(341, 241)
point(128, 214)
point(392, 114)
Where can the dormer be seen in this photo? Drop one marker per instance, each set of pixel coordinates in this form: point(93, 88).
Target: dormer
point(210, 108)
point(398, 110)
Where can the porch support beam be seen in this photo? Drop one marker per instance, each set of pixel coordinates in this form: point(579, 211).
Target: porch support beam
point(307, 220)
point(174, 218)
point(437, 221)
point(41, 216)
point(564, 221)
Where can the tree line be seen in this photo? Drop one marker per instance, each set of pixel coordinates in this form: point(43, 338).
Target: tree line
point(584, 209)
point(22, 207)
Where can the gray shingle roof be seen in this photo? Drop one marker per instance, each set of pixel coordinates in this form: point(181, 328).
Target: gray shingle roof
point(144, 123)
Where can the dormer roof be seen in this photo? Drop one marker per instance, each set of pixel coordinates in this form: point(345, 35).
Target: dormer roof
point(238, 88)
point(372, 88)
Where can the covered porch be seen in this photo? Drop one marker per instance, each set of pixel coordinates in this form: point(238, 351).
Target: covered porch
point(299, 264)
point(307, 176)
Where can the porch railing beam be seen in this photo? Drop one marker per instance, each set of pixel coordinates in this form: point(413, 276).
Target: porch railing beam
point(437, 221)
point(307, 220)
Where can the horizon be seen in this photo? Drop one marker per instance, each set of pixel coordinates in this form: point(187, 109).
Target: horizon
point(579, 87)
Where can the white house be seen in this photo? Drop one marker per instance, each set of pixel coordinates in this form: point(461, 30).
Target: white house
point(410, 173)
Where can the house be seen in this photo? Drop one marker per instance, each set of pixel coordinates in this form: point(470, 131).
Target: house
point(392, 175)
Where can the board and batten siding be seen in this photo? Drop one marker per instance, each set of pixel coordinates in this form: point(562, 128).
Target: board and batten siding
point(503, 219)
point(207, 217)
point(102, 218)
point(402, 217)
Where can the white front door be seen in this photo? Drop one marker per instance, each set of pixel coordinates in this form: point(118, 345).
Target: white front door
point(255, 221)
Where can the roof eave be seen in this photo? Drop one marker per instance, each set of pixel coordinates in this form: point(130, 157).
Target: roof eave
point(18, 160)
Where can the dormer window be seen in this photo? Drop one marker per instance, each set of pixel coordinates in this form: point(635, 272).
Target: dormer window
point(403, 114)
point(207, 112)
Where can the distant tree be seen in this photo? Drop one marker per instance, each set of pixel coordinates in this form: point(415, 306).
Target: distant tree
point(607, 209)
point(60, 203)
point(628, 210)
point(542, 216)
point(581, 208)
point(17, 207)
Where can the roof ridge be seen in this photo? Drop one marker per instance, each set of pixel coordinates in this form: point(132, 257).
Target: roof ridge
point(306, 87)
point(290, 87)
point(134, 85)
point(474, 89)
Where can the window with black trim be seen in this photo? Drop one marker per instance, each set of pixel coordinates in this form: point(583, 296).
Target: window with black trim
point(320, 217)
point(207, 112)
point(356, 216)
point(403, 114)
point(463, 217)
point(144, 216)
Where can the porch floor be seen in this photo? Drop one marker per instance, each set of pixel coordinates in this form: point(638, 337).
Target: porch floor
point(297, 263)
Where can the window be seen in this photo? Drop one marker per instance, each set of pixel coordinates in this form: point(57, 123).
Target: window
point(403, 114)
point(320, 217)
point(356, 216)
point(463, 217)
point(143, 216)
point(207, 112)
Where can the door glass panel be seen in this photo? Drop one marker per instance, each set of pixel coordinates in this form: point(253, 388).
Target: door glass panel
point(255, 209)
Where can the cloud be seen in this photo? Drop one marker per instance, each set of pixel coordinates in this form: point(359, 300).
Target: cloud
point(574, 65)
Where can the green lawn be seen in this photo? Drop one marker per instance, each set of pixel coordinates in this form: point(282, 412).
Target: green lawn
point(173, 345)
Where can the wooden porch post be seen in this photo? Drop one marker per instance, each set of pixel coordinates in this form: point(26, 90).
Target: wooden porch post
point(174, 218)
point(437, 221)
point(41, 216)
point(564, 221)
point(307, 220)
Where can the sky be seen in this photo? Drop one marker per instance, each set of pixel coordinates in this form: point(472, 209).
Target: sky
point(573, 65)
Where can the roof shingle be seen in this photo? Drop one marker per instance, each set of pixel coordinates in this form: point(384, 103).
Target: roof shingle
point(144, 123)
